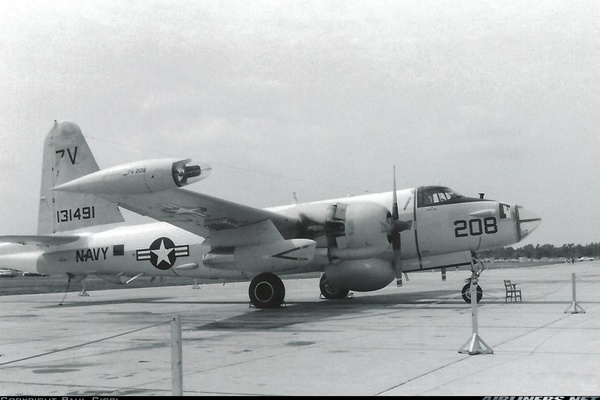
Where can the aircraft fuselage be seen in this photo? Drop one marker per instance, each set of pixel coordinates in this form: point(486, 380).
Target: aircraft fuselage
point(445, 226)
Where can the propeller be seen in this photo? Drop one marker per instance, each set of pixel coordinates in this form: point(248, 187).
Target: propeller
point(396, 226)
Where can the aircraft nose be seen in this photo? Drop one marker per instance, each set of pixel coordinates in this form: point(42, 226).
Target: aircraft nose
point(527, 222)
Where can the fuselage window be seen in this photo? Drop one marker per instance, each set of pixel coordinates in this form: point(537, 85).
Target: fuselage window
point(504, 211)
point(431, 196)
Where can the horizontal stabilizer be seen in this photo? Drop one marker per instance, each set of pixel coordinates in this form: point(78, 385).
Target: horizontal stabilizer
point(46, 240)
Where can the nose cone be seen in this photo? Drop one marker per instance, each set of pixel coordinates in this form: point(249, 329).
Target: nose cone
point(527, 222)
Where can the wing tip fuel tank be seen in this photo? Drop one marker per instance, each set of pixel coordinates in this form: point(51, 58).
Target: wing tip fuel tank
point(139, 177)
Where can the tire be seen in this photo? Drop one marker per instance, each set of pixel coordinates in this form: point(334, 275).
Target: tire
point(331, 292)
point(266, 291)
point(466, 293)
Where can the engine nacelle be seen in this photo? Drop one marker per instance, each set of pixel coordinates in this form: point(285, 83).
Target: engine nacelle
point(139, 177)
point(349, 231)
point(361, 275)
point(283, 255)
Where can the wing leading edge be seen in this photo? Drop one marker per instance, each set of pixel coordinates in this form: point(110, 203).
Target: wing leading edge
point(43, 240)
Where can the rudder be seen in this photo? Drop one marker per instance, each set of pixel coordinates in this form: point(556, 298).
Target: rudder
point(67, 156)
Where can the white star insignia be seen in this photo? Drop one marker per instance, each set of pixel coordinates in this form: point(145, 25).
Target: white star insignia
point(162, 253)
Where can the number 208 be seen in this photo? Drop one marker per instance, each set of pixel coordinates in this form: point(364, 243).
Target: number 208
point(76, 214)
point(475, 227)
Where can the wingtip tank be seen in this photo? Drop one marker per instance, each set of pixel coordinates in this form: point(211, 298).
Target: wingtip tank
point(146, 176)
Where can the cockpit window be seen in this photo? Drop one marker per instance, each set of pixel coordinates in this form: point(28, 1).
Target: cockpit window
point(434, 195)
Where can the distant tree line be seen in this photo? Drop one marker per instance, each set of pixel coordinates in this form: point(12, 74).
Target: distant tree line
point(544, 251)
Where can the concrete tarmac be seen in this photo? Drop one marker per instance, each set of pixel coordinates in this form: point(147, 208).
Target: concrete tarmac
point(392, 342)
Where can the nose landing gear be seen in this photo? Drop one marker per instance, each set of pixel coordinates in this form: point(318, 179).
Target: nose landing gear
point(476, 270)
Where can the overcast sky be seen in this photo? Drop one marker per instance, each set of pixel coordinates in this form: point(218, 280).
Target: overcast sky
point(319, 97)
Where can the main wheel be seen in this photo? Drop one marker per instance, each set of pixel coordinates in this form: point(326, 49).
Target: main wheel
point(331, 292)
point(466, 293)
point(266, 291)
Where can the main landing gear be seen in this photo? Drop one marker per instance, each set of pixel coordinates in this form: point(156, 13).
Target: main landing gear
point(266, 291)
point(476, 268)
point(331, 292)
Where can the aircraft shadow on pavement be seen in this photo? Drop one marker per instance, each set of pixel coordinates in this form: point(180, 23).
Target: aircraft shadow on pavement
point(311, 311)
point(67, 303)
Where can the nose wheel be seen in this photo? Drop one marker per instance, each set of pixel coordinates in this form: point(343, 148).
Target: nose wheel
point(466, 293)
point(476, 270)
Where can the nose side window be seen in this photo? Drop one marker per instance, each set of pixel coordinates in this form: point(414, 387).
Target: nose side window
point(504, 211)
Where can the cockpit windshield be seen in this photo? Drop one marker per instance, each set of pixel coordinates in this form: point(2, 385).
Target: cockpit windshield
point(434, 195)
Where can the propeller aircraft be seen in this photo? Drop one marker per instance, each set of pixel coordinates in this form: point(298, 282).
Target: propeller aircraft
point(360, 243)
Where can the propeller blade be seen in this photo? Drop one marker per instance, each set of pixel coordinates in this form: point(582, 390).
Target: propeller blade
point(395, 200)
point(397, 260)
point(397, 227)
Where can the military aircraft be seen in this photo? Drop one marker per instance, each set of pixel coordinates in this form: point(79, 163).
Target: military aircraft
point(360, 243)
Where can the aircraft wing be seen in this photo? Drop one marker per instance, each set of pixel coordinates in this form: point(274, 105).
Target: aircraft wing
point(204, 215)
point(45, 240)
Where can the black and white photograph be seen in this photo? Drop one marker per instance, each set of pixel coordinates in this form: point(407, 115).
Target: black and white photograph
point(299, 198)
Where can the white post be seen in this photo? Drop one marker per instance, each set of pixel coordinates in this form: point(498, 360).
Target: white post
point(473, 290)
point(176, 361)
point(475, 343)
point(576, 308)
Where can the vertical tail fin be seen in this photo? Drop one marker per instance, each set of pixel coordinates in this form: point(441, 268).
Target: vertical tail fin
point(66, 157)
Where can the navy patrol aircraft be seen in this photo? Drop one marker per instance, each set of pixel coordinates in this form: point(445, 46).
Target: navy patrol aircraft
point(360, 243)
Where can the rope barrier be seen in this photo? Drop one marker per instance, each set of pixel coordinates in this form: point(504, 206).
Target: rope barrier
point(84, 344)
